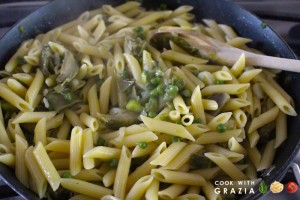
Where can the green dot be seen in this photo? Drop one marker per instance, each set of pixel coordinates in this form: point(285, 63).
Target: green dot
point(175, 139)
point(66, 175)
point(113, 163)
point(221, 128)
point(143, 145)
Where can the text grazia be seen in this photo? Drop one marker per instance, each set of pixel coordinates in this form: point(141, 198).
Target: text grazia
point(235, 187)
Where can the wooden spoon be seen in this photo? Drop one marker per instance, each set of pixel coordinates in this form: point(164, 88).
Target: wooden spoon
point(226, 54)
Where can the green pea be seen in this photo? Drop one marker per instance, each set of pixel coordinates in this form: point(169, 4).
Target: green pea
point(175, 139)
point(221, 128)
point(160, 88)
point(113, 163)
point(173, 90)
point(66, 175)
point(219, 82)
point(155, 80)
point(186, 93)
point(154, 93)
point(143, 145)
point(152, 114)
point(101, 141)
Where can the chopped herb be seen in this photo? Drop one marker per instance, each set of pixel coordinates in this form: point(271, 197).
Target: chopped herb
point(66, 175)
point(143, 145)
point(152, 114)
point(134, 105)
point(178, 82)
point(101, 141)
point(21, 60)
point(263, 25)
point(113, 163)
point(21, 29)
point(138, 29)
point(125, 74)
point(219, 82)
point(175, 139)
point(221, 128)
point(68, 97)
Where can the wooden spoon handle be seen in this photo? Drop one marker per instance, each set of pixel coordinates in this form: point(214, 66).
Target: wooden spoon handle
point(272, 62)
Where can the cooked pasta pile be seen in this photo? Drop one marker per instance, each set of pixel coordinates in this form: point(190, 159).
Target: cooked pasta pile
point(100, 108)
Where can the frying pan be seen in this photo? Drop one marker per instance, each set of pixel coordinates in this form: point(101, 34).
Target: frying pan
point(246, 25)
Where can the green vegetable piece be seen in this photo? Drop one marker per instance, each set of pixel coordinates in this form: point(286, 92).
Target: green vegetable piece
point(152, 114)
point(154, 93)
point(152, 105)
point(219, 82)
point(125, 74)
point(197, 120)
point(68, 97)
point(201, 162)
point(175, 139)
point(21, 60)
point(113, 163)
point(21, 29)
point(155, 80)
point(134, 105)
point(221, 128)
point(159, 72)
point(145, 76)
point(101, 141)
point(178, 82)
point(138, 29)
point(263, 187)
point(263, 25)
point(66, 175)
point(160, 88)
point(186, 93)
point(143, 145)
point(7, 107)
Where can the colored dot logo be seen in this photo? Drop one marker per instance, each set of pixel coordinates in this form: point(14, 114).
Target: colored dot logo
point(291, 187)
point(276, 187)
